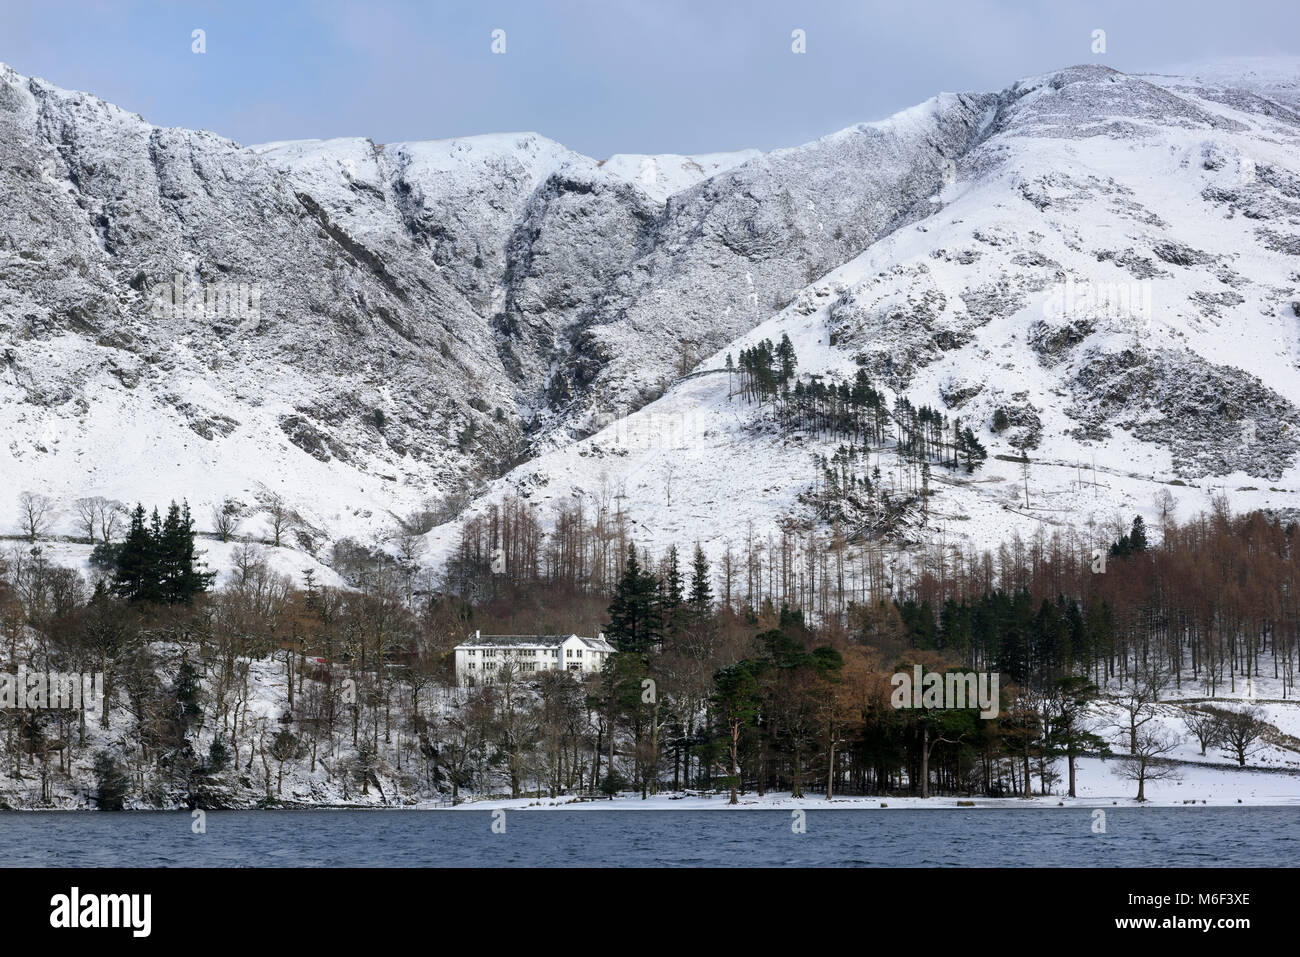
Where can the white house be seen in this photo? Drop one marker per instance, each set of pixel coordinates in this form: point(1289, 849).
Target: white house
point(480, 656)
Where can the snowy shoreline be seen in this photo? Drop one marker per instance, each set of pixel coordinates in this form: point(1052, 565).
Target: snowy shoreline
point(1201, 785)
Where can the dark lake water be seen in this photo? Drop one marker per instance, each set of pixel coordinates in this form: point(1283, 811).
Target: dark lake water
point(1135, 837)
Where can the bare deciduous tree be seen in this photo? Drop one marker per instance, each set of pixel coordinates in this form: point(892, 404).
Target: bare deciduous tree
point(1202, 724)
point(1137, 703)
point(225, 518)
point(1240, 731)
point(36, 513)
point(97, 514)
point(280, 516)
point(111, 516)
point(1165, 504)
point(410, 546)
point(87, 512)
point(1148, 761)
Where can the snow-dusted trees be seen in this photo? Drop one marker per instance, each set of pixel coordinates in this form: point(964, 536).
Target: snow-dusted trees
point(361, 674)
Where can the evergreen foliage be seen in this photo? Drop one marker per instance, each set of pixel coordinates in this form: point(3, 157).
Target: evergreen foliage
point(157, 561)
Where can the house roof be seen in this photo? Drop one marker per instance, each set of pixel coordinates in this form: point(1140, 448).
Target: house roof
point(478, 640)
point(547, 641)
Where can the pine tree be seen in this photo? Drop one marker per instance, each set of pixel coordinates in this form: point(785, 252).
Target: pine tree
point(187, 693)
point(973, 450)
point(671, 595)
point(1069, 735)
point(112, 782)
point(218, 755)
point(735, 701)
point(789, 362)
point(701, 599)
point(157, 561)
point(1137, 538)
point(136, 577)
point(181, 577)
point(635, 624)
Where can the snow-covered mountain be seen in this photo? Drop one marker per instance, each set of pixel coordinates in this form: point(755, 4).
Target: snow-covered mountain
point(1106, 267)
point(1113, 268)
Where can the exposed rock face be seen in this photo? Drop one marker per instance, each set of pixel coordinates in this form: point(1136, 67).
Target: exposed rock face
point(104, 217)
point(598, 291)
point(1213, 419)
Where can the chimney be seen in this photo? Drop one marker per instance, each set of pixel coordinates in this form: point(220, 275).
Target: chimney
point(478, 635)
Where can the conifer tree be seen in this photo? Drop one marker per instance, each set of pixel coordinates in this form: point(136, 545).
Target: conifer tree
point(635, 624)
point(672, 599)
point(785, 355)
point(1137, 538)
point(736, 702)
point(157, 561)
point(136, 577)
point(701, 598)
point(181, 577)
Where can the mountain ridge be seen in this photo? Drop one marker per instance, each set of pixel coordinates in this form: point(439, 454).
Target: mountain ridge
point(473, 303)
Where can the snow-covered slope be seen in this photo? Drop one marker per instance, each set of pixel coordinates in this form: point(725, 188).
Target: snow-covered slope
point(413, 315)
point(1110, 261)
point(340, 379)
point(1114, 267)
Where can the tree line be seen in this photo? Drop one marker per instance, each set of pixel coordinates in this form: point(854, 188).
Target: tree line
point(746, 676)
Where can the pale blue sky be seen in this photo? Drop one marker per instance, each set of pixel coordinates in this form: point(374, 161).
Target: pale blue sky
point(601, 77)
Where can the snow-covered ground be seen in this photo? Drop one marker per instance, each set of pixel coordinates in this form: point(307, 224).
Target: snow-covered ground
point(1097, 785)
point(221, 557)
point(1271, 777)
point(665, 174)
